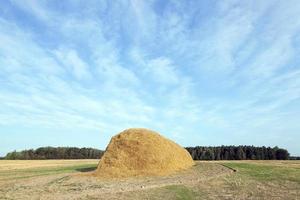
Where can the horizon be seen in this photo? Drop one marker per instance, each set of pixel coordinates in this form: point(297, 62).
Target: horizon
point(103, 150)
point(207, 73)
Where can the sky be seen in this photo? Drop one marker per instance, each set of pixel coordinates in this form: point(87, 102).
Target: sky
point(75, 73)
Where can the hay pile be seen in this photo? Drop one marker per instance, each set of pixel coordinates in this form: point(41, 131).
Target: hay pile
point(142, 152)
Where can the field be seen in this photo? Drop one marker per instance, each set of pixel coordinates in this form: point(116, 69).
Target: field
point(72, 179)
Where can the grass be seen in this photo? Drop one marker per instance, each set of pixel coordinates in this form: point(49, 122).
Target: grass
point(267, 172)
point(182, 192)
point(255, 180)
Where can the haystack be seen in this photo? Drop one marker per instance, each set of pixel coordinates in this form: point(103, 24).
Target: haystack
point(142, 152)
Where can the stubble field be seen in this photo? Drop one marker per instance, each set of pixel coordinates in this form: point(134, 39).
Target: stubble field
point(72, 179)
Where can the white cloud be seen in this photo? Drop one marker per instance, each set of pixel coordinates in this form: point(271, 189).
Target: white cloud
point(110, 70)
point(19, 52)
point(162, 70)
point(272, 59)
point(177, 69)
point(74, 63)
point(34, 7)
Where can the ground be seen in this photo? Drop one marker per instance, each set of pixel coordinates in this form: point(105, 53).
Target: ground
point(72, 179)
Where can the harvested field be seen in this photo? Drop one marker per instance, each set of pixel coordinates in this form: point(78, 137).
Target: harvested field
point(33, 164)
point(70, 179)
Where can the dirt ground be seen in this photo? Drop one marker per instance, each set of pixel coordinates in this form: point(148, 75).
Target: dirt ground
point(72, 179)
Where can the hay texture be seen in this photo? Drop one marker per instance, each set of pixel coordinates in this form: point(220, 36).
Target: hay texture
point(142, 152)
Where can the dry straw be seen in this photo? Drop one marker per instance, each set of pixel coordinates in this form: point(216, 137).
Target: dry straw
point(142, 152)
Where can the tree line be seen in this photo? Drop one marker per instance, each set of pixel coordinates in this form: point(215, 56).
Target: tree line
point(238, 153)
point(294, 158)
point(55, 153)
point(197, 153)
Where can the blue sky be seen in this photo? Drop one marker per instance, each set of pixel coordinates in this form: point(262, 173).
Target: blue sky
point(74, 73)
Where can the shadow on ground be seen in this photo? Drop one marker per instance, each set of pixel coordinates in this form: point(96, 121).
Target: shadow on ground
point(87, 169)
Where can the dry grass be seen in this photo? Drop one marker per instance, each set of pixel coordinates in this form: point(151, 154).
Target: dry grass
point(59, 179)
point(256, 180)
point(68, 183)
point(26, 164)
point(22, 169)
point(142, 152)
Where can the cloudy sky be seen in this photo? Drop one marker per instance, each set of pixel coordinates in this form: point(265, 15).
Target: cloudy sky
point(74, 73)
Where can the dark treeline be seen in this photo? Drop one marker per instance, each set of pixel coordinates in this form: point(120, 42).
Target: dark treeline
point(198, 153)
point(294, 158)
point(238, 153)
point(55, 153)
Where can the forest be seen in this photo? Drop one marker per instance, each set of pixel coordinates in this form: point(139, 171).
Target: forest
point(238, 153)
point(55, 153)
point(197, 153)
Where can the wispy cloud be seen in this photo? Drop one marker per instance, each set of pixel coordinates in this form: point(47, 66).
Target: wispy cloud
point(195, 71)
point(73, 63)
